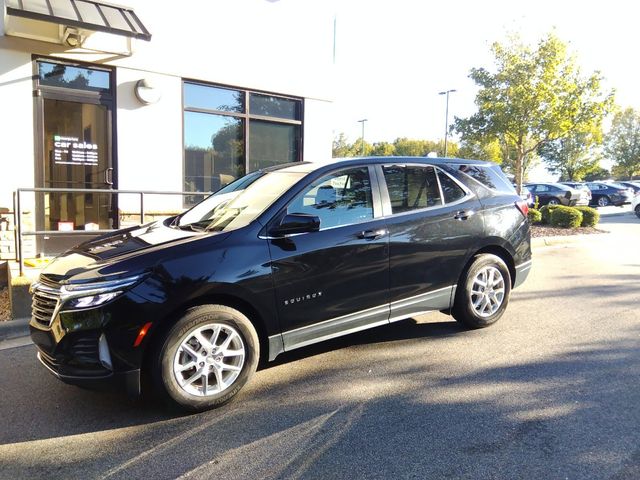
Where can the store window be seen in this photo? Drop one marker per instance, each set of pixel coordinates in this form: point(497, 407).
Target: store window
point(229, 133)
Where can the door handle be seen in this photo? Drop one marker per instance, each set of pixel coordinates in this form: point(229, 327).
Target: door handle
point(372, 234)
point(463, 214)
point(108, 176)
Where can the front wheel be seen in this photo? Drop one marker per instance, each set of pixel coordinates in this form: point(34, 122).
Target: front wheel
point(638, 210)
point(206, 358)
point(553, 201)
point(483, 292)
point(603, 201)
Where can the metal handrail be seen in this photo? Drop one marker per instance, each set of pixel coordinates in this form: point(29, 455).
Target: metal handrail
point(17, 212)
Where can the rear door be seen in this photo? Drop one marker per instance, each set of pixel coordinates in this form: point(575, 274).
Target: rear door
point(434, 221)
point(335, 280)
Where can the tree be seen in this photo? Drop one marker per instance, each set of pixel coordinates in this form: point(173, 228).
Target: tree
point(532, 98)
point(623, 143)
point(598, 173)
point(475, 150)
point(383, 149)
point(341, 147)
point(572, 157)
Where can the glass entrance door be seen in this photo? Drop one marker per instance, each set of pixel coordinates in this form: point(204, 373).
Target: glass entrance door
point(77, 155)
point(75, 118)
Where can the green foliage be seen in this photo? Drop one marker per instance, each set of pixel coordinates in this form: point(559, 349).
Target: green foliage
point(536, 202)
point(532, 97)
point(401, 146)
point(477, 150)
point(545, 213)
point(342, 147)
point(566, 217)
point(597, 174)
point(590, 216)
point(383, 149)
point(534, 216)
point(573, 156)
point(623, 143)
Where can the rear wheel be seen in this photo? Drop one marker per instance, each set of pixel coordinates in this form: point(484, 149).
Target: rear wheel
point(206, 358)
point(603, 201)
point(483, 292)
point(638, 210)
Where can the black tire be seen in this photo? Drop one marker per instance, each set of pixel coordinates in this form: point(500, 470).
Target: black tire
point(463, 307)
point(603, 201)
point(637, 210)
point(553, 201)
point(230, 323)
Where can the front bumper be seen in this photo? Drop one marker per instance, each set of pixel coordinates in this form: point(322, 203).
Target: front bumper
point(128, 381)
point(94, 346)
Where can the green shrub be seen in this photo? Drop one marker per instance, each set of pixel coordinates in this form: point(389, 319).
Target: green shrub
point(534, 216)
point(590, 216)
point(546, 213)
point(566, 217)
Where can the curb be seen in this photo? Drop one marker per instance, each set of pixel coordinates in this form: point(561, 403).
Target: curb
point(14, 329)
point(560, 240)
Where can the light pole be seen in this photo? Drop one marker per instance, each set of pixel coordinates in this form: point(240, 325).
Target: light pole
point(446, 118)
point(362, 122)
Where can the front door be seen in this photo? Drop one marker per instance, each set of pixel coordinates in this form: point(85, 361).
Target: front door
point(335, 280)
point(75, 107)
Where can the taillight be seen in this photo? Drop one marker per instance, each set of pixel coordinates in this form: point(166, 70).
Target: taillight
point(523, 207)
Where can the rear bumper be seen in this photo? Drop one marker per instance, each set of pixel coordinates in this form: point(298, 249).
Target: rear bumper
point(522, 272)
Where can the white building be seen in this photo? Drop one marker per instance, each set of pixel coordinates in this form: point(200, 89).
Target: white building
point(171, 96)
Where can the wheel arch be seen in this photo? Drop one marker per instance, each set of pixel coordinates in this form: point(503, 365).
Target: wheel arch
point(498, 251)
point(157, 334)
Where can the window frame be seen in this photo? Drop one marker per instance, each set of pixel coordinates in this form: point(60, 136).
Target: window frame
point(386, 199)
point(376, 198)
point(246, 116)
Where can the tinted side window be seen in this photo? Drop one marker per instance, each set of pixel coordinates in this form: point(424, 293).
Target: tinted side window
point(411, 187)
point(491, 177)
point(340, 198)
point(451, 191)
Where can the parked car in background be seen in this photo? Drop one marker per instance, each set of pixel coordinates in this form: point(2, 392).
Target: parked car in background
point(525, 194)
point(635, 204)
point(585, 197)
point(603, 194)
point(554, 194)
point(633, 185)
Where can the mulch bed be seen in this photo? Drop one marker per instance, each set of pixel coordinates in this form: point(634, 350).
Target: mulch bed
point(547, 231)
point(5, 312)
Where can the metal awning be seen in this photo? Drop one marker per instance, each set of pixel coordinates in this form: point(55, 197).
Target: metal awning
point(87, 14)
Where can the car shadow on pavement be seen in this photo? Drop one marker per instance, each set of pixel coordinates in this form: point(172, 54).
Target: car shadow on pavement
point(399, 410)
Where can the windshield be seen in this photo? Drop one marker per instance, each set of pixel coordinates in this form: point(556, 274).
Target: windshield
point(242, 208)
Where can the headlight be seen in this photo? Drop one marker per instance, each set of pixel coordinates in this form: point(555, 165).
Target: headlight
point(88, 295)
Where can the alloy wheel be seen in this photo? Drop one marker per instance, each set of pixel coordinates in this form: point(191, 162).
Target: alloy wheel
point(209, 359)
point(487, 291)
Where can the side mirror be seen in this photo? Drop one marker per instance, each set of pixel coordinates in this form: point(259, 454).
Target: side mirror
point(296, 223)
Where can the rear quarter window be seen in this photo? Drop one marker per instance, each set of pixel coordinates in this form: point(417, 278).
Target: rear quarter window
point(488, 175)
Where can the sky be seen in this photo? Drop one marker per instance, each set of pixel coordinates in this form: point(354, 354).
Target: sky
point(392, 58)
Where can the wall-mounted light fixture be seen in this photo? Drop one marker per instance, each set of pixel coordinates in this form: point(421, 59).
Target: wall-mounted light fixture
point(147, 91)
point(72, 37)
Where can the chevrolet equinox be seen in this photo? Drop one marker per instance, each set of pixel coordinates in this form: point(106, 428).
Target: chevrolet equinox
point(301, 253)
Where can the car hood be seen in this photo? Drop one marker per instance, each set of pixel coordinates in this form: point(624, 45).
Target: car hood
point(107, 254)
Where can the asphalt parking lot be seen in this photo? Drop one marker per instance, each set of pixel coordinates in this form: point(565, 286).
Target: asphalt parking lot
point(551, 391)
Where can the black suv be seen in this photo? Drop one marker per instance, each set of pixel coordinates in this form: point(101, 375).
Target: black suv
point(300, 254)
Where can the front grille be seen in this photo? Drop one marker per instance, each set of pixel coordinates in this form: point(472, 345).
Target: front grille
point(46, 296)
